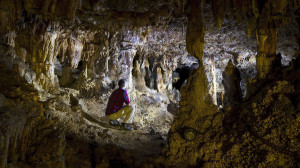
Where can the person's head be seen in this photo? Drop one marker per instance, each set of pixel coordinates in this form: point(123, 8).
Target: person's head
point(121, 83)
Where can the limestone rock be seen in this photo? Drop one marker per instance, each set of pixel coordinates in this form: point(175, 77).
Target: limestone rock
point(231, 82)
point(67, 77)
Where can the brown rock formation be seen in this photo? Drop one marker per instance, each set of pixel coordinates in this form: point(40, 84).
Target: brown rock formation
point(231, 82)
point(210, 146)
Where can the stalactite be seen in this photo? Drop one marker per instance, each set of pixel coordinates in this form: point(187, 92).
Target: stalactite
point(75, 51)
point(266, 57)
point(219, 10)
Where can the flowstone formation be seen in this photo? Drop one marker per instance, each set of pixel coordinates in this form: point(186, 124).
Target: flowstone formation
point(60, 61)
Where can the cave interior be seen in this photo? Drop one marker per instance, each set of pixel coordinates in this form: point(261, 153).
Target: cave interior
point(214, 83)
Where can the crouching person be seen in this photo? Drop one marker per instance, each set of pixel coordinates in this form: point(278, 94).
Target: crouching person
point(116, 109)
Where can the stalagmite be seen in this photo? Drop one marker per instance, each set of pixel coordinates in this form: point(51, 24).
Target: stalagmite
point(232, 88)
point(214, 83)
point(159, 80)
point(195, 99)
point(139, 78)
point(67, 77)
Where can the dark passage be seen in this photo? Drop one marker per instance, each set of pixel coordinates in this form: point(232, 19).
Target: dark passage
point(184, 73)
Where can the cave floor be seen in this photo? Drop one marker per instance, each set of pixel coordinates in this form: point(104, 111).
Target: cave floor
point(87, 121)
point(138, 141)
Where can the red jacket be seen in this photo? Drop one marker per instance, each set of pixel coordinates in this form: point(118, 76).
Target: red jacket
point(116, 101)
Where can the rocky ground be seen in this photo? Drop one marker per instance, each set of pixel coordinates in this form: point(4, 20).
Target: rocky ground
point(85, 118)
point(73, 134)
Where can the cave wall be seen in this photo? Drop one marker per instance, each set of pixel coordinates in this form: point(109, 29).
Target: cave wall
point(72, 59)
point(26, 135)
point(54, 49)
point(209, 138)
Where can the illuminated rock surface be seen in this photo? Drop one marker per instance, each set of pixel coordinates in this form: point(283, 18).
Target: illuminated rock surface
point(60, 61)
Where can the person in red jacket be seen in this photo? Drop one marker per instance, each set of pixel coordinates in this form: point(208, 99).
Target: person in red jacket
point(116, 109)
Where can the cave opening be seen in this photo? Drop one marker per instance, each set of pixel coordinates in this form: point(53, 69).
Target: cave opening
point(58, 67)
point(80, 65)
point(150, 74)
point(180, 76)
point(76, 71)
